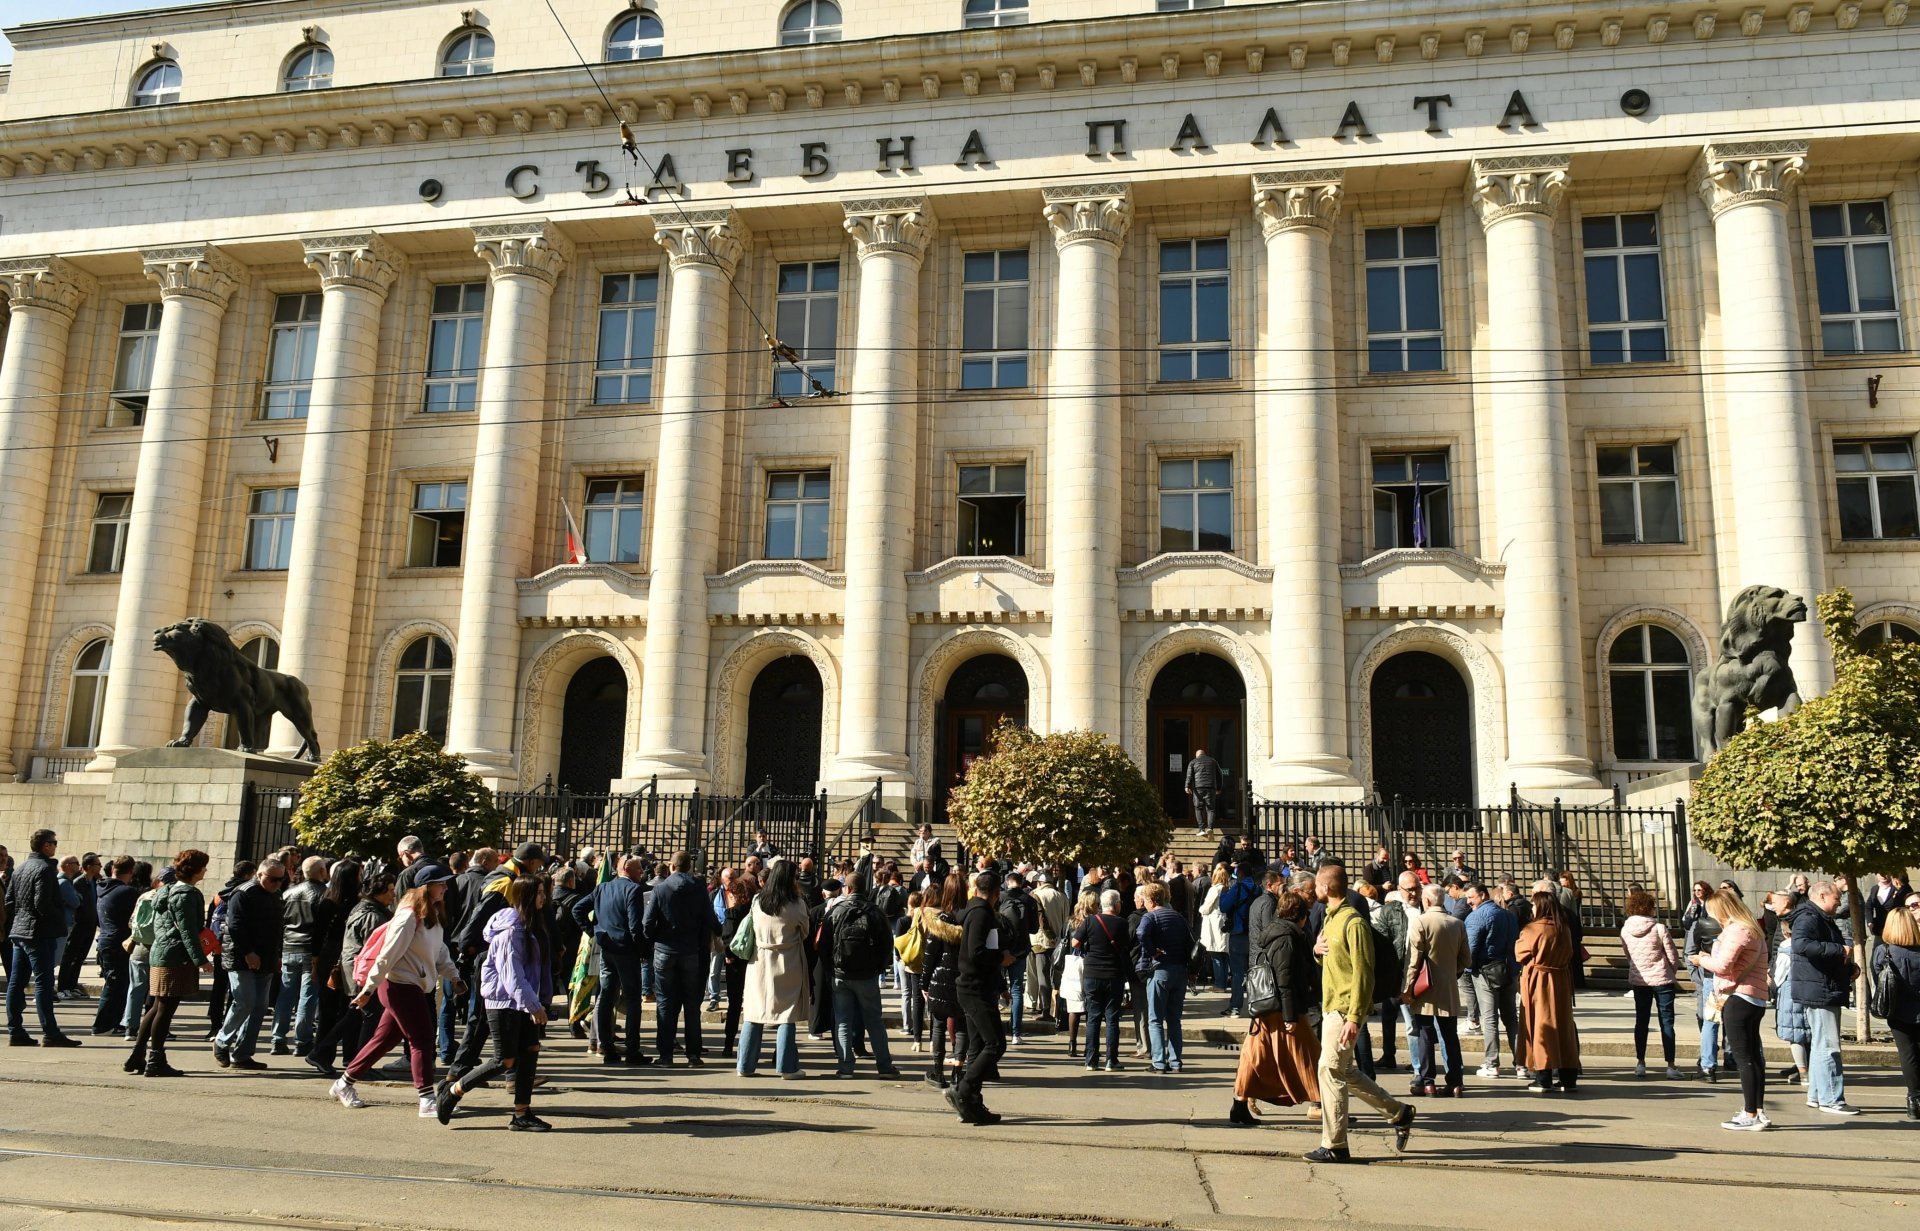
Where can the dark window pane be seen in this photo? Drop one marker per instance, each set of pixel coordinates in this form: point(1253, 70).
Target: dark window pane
point(1176, 474)
point(1629, 646)
point(1176, 523)
point(1672, 716)
point(1176, 365)
point(1899, 516)
point(1383, 302)
point(1430, 467)
point(1830, 275)
point(1647, 345)
point(1660, 512)
point(978, 267)
point(976, 374)
point(1210, 310)
point(1383, 244)
point(1827, 220)
point(1386, 518)
point(1385, 356)
point(1873, 277)
point(1868, 218)
point(1836, 338)
point(1439, 510)
point(1423, 297)
point(1607, 346)
point(1881, 335)
point(1856, 509)
point(793, 278)
point(1420, 241)
point(1644, 301)
point(1010, 327)
point(1176, 257)
point(1012, 374)
point(976, 325)
point(1212, 365)
point(1176, 311)
point(1603, 290)
point(1216, 522)
point(1630, 734)
point(1013, 265)
point(1638, 230)
point(1616, 513)
point(1665, 646)
point(406, 703)
point(1423, 354)
point(1613, 461)
point(1597, 232)
point(826, 276)
point(822, 327)
point(1210, 254)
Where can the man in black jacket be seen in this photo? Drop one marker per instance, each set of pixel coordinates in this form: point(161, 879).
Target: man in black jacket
point(307, 915)
point(254, 930)
point(117, 897)
point(983, 956)
point(1019, 920)
point(679, 920)
point(39, 924)
point(86, 925)
point(861, 946)
point(1822, 982)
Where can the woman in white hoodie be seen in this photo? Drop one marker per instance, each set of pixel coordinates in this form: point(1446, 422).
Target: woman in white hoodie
point(408, 966)
point(1652, 971)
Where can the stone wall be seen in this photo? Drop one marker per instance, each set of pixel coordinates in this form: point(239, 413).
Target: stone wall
point(74, 812)
point(165, 800)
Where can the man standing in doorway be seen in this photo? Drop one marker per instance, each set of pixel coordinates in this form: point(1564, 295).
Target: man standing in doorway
point(1345, 950)
point(1203, 784)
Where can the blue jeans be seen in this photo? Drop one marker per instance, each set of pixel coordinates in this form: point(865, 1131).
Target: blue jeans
point(1709, 1030)
point(1166, 1002)
point(40, 960)
point(1416, 1043)
point(786, 1048)
point(1103, 1008)
point(677, 982)
point(1645, 1001)
point(1826, 1081)
point(1017, 988)
point(1222, 976)
point(298, 1004)
point(240, 1033)
point(619, 977)
point(449, 1017)
point(1237, 965)
point(136, 992)
point(717, 979)
point(856, 1008)
point(112, 957)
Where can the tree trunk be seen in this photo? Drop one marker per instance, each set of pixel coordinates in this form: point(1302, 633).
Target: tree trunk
point(1857, 912)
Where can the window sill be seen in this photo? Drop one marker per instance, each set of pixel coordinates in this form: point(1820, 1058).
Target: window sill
point(254, 574)
point(437, 415)
point(424, 570)
point(1841, 547)
point(132, 431)
point(1860, 358)
point(1682, 548)
point(1409, 378)
point(1643, 367)
point(1211, 382)
point(90, 578)
point(589, 410)
point(1000, 391)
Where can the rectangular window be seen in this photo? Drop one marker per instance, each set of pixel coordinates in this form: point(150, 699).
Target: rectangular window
point(1412, 505)
point(453, 347)
point(806, 309)
point(993, 510)
point(798, 504)
point(1639, 494)
point(623, 365)
point(107, 546)
point(438, 526)
point(1853, 268)
point(1196, 504)
point(614, 511)
point(993, 329)
point(133, 364)
point(290, 352)
point(1194, 310)
point(270, 527)
point(1879, 498)
point(1626, 307)
point(1403, 299)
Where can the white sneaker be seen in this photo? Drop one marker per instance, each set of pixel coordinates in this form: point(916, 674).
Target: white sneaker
point(1765, 1122)
point(1639, 1070)
point(343, 1090)
point(1744, 1123)
point(1519, 1072)
point(1674, 1074)
point(428, 1109)
point(1841, 1108)
point(1487, 1070)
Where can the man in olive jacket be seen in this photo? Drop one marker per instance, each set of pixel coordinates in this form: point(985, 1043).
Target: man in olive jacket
point(1345, 950)
point(39, 925)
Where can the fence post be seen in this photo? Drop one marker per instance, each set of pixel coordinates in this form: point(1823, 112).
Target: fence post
point(653, 800)
point(817, 840)
point(563, 805)
point(1682, 850)
point(249, 822)
point(1559, 839)
point(693, 820)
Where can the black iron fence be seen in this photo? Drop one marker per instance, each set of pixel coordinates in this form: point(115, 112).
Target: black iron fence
point(266, 820)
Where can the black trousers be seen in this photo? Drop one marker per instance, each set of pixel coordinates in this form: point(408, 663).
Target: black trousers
point(348, 1033)
point(986, 1043)
point(75, 957)
point(114, 960)
point(736, 972)
point(1740, 1020)
point(516, 1049)
point(1906, 1040)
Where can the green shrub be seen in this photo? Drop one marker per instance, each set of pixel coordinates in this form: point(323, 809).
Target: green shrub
point(364, 799)
point(1068, 797)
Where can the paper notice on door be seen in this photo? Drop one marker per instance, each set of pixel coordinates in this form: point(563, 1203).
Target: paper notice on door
point(1175, 762)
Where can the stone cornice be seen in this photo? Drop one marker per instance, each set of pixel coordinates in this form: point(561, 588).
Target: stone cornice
point(955, 566)
point(1289, 200)
point(1387, 561)
point(624, 582)
point(1524, 184)
point(193, 271)
point(1172, 561)
point(714, 237)
point(1087, 213)
point(900, 226)
point(530, 248)
point(1745, 172)
point(45, 282)
point(753, 570)
point(1241, 39)
point(363, 260)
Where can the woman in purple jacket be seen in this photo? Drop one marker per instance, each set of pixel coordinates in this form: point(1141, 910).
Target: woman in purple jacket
point(516, 982)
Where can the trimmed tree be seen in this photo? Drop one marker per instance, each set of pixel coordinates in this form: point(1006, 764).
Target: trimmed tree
point(1068, 797)
point(1833, 786)
point(364, 799)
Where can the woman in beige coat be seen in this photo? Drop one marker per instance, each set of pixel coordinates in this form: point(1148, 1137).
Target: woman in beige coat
point(776, 989)
point(1549, 1040)
point(1439, 941)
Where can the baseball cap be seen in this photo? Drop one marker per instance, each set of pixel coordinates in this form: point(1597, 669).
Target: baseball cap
point(529, 852)
point(432, 874)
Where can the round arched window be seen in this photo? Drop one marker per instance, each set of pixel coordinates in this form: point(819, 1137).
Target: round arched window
point(157, 85)
point(470, 54)
point(636, 36)
point(1650, 681)
point(87, 693)
point(423, 688)
point(311, 68)
point(810, 21)
point(1879, 634)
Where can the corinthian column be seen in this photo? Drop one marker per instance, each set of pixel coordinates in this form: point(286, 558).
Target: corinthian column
point(891, 235)
point(356, 272)
point(1517, 199)
point(1089, 223)
point(43, 293)
point(524, 260)
point(703, 248)
point(1776, 494)
point(1301, 422)
point(196, 282)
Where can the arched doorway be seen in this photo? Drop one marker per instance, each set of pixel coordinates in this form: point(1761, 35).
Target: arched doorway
point(1197, 701)
point(593, 726)
point(1422, 730)
point(783, 726)
point(982, 692)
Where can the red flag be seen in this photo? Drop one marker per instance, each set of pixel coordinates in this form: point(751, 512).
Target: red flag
point(576, 551)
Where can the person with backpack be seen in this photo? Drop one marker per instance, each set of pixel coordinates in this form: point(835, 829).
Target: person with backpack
point(355, 1023)
point(776, 992)
point(467, 939)
point(218, 988)
point(1348, 949)
point(861, 945)
point(176, 958)
point(1235, 902)
point(251, 940)
point(401, 964)
point(138, 942)
point(1280, 1055)
point(1019, 920)
point(516, 978)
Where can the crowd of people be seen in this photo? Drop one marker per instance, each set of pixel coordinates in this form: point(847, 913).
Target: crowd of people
point(458, 961)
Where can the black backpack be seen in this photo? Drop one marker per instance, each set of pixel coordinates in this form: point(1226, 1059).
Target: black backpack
point(850, 933)
point(1386, 963)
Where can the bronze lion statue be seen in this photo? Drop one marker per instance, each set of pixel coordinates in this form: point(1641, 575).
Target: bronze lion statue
point(223, 681)
point(1755, 642)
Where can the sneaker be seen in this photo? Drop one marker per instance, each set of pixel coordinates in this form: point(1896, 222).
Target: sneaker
point(61, 1040)
point(1324, 1155)
point(529, 1123)
point(1640, 1070)
point(428, 1109)
point(1674, 1074)
point(249, 1065)
point(1017, 1040)
point(1114, 1066)
point(221, 1057)
point(796, 1075)
point(1538, 1087)
point(1471, 1028)
point(1765, 1120)
point(1487, 1070)
point(444, 1100)
point(1519, 1072)
point(342, 1089)
point(320, 1066)
point(1814, 1103)
point(1744, 1123)
point(1402, 1126)
point(1841, 1108)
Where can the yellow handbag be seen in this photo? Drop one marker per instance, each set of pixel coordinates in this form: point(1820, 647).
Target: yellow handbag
point(910, 945)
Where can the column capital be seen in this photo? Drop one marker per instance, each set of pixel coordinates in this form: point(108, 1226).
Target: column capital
point(1745, 172)
point(361, 259)
point(531, 248)
point(1289, 200)
point(901, 225)
point(1523, 184)
point(1082, 213)
point(48, 282)
point(193, 271)
point(715, 237)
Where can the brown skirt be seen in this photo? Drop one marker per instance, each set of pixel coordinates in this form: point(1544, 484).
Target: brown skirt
point(173, 981)
point(1279, 1062)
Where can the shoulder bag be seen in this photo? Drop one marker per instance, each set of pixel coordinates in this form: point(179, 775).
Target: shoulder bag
point(745, 944)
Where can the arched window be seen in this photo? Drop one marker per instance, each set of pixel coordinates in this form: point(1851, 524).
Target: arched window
point(89, 690)
point(810, 21)
point(311, 68)
point(636, 36)
point(470, 54)
point(982, 13)
point(157, 85)
point(261, 651)
point(1651, 681)
point(423, 688)
point(1874, 635)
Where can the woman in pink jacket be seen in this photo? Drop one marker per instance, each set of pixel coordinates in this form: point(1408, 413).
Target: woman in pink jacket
point(1652, 966)
point(1738, 962)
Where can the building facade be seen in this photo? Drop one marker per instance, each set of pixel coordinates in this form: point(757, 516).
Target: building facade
point(1377, 401)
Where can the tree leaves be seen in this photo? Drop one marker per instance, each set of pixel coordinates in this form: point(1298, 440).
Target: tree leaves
point(364, 799)
point(1067, 797)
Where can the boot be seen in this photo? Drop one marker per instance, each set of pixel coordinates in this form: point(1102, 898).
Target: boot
point(1913, 1107)
point(135, 1063)
point(157, 1065)
point(1242, 1115)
